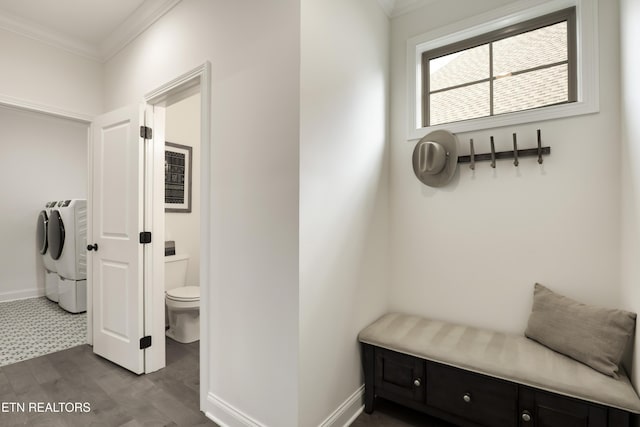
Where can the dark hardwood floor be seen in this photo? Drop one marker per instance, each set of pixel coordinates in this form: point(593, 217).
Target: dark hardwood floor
point(169, 397)
point(389, 414)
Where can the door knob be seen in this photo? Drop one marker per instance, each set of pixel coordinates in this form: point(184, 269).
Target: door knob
point(93, 247)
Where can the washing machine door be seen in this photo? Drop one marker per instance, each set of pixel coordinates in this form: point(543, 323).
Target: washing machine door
point(41, 233)
point(55, 233)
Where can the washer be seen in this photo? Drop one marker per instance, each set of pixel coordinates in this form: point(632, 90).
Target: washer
point(42, 240)
point(67, 234)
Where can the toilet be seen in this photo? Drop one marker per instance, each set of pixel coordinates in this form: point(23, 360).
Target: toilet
point(183, 302)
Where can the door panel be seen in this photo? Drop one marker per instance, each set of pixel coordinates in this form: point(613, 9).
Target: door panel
point(117, 209)
point(550, 410)
point(113, 321)
point(399, 376)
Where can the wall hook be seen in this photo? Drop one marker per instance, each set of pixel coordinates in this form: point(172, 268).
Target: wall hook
point(472, 155)
point(514, 153)
point(539, 148)
point(493, 154)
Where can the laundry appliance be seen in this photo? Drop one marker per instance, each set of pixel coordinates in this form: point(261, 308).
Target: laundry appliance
point(67, 233)
point(42, 240)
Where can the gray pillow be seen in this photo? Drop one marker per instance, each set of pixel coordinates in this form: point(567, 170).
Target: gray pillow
point(595, 336)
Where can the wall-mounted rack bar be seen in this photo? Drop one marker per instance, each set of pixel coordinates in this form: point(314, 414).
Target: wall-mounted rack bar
point(529, 152)
point(514, 154)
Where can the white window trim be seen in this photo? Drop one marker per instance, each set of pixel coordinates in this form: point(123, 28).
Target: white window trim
point(587, 64)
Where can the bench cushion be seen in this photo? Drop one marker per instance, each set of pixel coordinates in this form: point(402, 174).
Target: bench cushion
point(509, 357)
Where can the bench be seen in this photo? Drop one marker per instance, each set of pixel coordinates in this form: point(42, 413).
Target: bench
point(476, 377)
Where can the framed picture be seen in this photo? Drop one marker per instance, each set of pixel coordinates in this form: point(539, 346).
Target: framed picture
point(177, 177)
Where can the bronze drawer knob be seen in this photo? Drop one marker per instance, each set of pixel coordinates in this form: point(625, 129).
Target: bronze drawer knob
point(526, 416)
point(417, 382)
point(466, 397)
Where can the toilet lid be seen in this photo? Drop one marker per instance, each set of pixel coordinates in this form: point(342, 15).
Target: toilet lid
point(184, 293)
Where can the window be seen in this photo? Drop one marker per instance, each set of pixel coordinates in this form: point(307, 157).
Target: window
point(524, 66)
point(582, 62)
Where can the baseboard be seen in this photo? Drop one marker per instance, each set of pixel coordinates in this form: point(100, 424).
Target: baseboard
point(226, 415)
point(22, 294)
point(347, 412)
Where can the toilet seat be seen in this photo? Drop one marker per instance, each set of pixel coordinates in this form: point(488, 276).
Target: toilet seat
point(184, 294)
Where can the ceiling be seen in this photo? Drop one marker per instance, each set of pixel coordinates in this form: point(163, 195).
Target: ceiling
point(94, 28)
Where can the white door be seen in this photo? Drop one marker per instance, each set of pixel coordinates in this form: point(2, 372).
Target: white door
point(117, 220)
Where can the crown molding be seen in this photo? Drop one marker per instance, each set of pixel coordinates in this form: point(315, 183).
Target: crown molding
point(22, 27)
point(406, 6)
point(387, 6)
point(394, 8)
point(143, 17)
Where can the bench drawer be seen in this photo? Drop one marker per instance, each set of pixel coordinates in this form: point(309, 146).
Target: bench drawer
point(399, 376)
point(487, 401)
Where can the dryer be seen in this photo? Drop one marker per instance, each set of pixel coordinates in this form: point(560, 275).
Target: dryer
point(42, 241)
point(67, 234)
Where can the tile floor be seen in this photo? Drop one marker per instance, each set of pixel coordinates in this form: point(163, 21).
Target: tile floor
point(36, 326)
point(169, 397)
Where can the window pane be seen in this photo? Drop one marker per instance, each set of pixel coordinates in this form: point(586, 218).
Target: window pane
point(458, 68)
point(544, 46)
point(464, 103)
point(530, 90)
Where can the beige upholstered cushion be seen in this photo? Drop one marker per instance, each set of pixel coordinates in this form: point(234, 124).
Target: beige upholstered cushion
point(595, 336)
point(510, 357)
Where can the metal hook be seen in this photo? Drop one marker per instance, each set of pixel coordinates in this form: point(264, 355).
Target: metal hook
point(493, 154)
point(472, 155)
point(515, 151)
point(539, 148)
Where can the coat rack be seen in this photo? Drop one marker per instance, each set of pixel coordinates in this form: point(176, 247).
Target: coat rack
point(514, 154)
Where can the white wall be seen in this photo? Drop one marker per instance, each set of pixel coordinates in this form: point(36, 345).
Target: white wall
point(45, 159)
point(630, 100)
point(41, 74)
point(343, 197)
point(471, 252)
point(254, 49)
point(182, 126)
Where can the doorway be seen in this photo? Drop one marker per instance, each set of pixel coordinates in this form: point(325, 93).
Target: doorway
point(196, 81)
point(150, 279)
point(182, 231)
point(45, 165)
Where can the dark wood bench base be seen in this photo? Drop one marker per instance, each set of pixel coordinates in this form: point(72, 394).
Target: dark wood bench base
point(468, 399)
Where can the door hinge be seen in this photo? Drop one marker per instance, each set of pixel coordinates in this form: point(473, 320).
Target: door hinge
point(145, 237)
point(145, 342)
point(146, 132)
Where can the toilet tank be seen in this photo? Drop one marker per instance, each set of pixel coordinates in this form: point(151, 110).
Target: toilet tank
point(175, 270)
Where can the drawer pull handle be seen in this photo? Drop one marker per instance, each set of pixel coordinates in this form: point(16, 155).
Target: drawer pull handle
point(466, 397)
point(417, 382)
point(526, 416)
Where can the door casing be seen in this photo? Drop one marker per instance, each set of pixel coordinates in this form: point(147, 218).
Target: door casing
point(170, 92)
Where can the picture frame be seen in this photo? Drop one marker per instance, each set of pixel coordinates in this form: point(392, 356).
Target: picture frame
point(178, 161)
